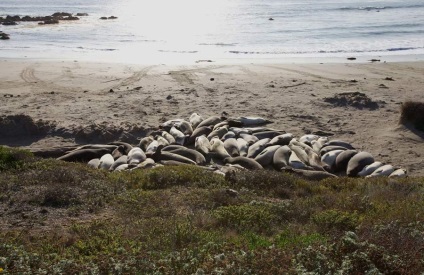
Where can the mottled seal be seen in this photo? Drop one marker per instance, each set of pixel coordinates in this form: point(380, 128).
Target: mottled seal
point(358, 162)
point(185, 127)
point(162, 141)
point(119, 152)
point(152, 147)
point(168, 137)
point(245, 162)
point(218, 132)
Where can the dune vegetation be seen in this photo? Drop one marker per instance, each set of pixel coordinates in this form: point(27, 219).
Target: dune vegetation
point(65, 218)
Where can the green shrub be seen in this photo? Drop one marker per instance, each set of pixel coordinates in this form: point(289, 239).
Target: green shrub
point(11, 158)
point(335, 219)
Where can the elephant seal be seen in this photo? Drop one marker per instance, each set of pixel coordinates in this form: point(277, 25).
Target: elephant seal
point(239, 131)
point(167, 125)
point(122, 167)
point(267, 134)
point(266, 157)
point(145, 142)
point(84, 155)
point(170, 162)
point(339, 143)
point(160, 155)
point(199, 131)
point(245, 162)
point(257, 147)
point(202, 145)
point(229, 134)
point(385, 170)
point(317, 144)
point(162, 141)
point(127, 146)
point(281, 157)
point(168, 137)
point(296, 163)
point(326, 149)
point(119, 152)
point(300, 144)
point(330, 158)
point(358, 162)
point(179, 136)
point(110, 147)
point(219, 132)
point(315, 161)
point(243, 147)
point(220, 124)
point(369, 169)
point(250, 139)
point(308, 138)
point(218, 148)
point(398, 173)
point(343, 159)
point(189, 153)
point(121, 160)
point(94, 163)
point(210, 121)
point(250, 121)
point(195, 119)
point(231, 146)
point(106, 161)
point(152, 147)
point(309, 175)
point(282, 140)
point(185, 127)
point(148, 163)
point(136, 155)
point(300, 153)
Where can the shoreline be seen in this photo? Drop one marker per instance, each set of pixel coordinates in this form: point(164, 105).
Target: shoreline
point(76, 97)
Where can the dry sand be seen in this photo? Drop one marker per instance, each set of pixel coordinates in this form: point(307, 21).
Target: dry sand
point(81, 103)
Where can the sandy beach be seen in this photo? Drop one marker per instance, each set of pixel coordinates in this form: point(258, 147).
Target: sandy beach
point(48, 104)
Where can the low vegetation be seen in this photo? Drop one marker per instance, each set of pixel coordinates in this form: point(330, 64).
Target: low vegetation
point(64, 218)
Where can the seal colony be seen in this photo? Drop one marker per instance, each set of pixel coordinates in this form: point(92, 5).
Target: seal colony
point(222, 144)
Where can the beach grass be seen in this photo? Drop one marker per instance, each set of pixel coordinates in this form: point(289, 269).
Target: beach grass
point(66, 218)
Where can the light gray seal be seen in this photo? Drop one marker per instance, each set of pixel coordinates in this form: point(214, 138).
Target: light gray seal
point(121, 160)
point(189, 153)
point(369, 169)
point(145, 142)
point(326, 149)
point(282, 140)
point(168, 137)
point(250, 139)
point(94, 163)
point(106, 161)
point(250, 121)
point(199, 131)
point(185, 127)
point(160, 155)
point(202, 145)
point(330, 158)
point(179, 136)
point(210, 121)
point(257, 147)
point(358, 162)
point(195, 120)
point(281, 157)
point(245, 162)
point(136, 155)
point(218, 132)
point(266, 157)
point(385, 170)
point(218, 148)
point(231, 146)
point(341, 143)
point(243, 147)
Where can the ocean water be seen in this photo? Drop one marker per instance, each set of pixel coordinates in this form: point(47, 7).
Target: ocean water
point(186, 30)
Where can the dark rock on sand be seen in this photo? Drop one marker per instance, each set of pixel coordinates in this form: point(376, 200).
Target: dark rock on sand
point(353, 99)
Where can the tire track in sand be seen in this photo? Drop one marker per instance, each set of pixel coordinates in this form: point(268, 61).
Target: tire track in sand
point(135, 77)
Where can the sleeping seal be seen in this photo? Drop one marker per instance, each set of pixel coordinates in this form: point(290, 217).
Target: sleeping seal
point(217, 147)
point(121, 160)
point(136, 155)
point(195, 119)
point(245, 162)
point(369, 169)
point(250, 121)
point(205, 130)
point(266, 157)
point(358, 162)
point(243, 147)
point(283, 139)
point(257, 147)
point(309, 175)
point(398, 173)
point(343, 159)
point(281, 157)
point(231, 146)
point(179, 136)
point(385, 170)
point(106, 161)
point(84, 155)
point(210, 121)
point(202, 145)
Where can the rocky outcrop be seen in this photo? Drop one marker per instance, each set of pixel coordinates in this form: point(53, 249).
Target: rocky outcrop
point(4, 36)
